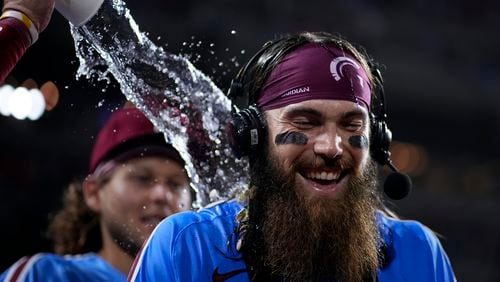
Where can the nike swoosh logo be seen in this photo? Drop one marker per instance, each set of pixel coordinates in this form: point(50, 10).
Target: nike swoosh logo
point(221, 277)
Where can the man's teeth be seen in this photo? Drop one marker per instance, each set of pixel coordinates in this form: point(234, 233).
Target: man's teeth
point(324, 175)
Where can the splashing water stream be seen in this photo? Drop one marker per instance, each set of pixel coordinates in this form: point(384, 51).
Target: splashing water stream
point(180, 100)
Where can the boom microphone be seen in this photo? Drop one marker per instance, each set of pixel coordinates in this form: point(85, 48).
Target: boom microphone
point(397, 185)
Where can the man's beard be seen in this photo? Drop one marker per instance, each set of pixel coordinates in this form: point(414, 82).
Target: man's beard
point(299, 238)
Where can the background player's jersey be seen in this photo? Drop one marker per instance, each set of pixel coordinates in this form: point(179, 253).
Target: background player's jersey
point(51, 267)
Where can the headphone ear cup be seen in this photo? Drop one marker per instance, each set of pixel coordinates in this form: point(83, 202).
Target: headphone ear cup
point(245, 131)
point(235, 135)
point(380, 140)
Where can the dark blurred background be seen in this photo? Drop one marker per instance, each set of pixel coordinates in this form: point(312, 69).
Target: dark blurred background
point(442, 74)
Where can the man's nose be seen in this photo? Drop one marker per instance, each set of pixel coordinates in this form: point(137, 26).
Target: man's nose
point(161, 193)
point(329, 143)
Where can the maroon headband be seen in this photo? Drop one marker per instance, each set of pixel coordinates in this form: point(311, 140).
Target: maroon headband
point(316, 71)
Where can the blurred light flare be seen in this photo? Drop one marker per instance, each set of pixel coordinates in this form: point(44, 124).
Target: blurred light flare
point(5, 93)
point(38, 106)
point(22, 103)
point(409, 158)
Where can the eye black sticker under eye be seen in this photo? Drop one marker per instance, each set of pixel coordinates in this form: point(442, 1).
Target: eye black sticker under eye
point(288, 137)
point(358, 141)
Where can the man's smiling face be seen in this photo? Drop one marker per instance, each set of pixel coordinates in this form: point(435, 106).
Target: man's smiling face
point(325, 142)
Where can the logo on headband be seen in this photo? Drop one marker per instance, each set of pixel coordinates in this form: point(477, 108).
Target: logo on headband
point(297, 91)
point(337, 65)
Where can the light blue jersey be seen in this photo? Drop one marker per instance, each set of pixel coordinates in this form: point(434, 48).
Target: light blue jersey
point(201, 246)
point(51, 268)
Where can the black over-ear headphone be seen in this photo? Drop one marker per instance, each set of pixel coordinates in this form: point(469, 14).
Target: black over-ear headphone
point(246, 129)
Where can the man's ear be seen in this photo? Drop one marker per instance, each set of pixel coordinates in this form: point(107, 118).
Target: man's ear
point(91, 194)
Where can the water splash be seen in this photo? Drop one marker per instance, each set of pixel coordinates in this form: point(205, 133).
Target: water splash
point(180, 100)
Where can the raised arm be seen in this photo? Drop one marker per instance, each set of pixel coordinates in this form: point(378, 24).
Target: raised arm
point(20, 24)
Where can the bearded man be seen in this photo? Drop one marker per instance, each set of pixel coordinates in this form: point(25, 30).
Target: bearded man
point(312, 212)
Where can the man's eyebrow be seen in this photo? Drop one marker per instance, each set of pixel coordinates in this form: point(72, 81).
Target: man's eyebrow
point(354, 113)
point(301, 111)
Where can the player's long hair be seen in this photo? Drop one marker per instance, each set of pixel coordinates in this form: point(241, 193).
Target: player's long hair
point(75, 228)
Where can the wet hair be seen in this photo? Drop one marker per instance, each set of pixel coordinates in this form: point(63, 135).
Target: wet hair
point(75, 229)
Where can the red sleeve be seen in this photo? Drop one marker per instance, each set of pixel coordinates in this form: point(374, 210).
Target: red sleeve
point(14, 40)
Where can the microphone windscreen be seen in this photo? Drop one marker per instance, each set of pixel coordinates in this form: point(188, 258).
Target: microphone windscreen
point(397, 185)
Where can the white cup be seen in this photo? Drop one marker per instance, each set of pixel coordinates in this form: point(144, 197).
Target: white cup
point(78, 12)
